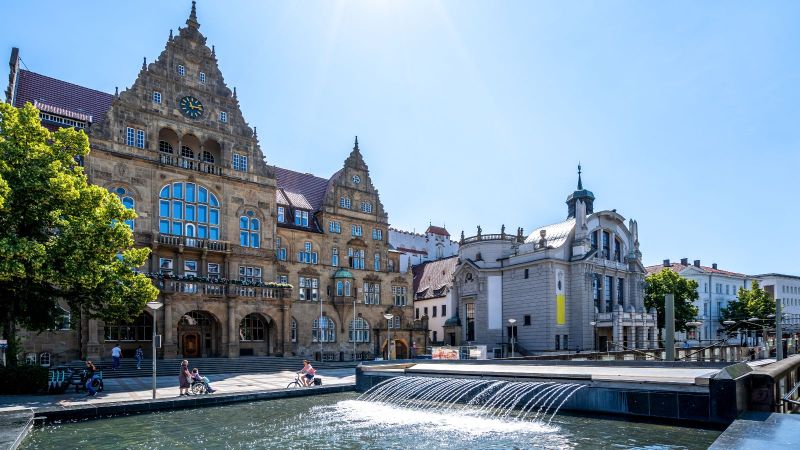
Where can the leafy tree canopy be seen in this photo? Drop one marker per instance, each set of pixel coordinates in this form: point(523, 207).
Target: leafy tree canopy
point(668, 282)
point(750, 303)
point(61, 239)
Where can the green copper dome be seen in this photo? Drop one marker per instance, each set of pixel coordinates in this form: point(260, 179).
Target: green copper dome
point(342, 273)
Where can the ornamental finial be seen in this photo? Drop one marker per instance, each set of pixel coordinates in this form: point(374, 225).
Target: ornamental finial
point(580, 183)
point(356, 144)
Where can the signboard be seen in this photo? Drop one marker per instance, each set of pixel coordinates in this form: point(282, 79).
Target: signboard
point(444, 353)
point(3, 344)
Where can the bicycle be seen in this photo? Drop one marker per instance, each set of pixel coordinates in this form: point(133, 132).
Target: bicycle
point(296, 382)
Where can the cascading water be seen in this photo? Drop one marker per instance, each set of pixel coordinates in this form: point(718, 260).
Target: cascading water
point(481, 399)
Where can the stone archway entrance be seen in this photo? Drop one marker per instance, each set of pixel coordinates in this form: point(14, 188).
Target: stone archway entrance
point(198, 335)
point(257, 335)
point(399, 349)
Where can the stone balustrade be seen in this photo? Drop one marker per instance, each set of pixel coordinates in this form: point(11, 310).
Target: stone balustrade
point(207, 244)
point(191, 164)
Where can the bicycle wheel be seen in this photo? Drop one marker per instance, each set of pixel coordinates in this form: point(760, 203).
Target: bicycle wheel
point(294, 383)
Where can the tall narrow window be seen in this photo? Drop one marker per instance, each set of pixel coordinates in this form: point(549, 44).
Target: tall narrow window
point(617, 250)
point(359, 330)
point(181, 70)
point(280, 252)
point(239, 162)
point(202, 77)
point(620, 290)
point(281, 214)
point(249, 231)
point(156, 97)
point(607, 289)
point(140, 138)
point(335, 257)
point(377, 262)
point(470, 315)
point(606, 244)
point(130, 136)
point(223, 117)
point(323, 330)
point(372, 293)
point(399, 295)
point(294, 330)
point(127, 202)
point(309, 289)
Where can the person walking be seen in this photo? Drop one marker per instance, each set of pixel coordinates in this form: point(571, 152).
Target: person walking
point(139, 357)
point(185, 378)
point(116, 355)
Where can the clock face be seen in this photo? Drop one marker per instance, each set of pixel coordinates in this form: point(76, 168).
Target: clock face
point(191, 107)
point(356, 179)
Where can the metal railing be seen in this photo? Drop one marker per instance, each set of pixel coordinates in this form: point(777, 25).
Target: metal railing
point(191, 164)
point(208, 244)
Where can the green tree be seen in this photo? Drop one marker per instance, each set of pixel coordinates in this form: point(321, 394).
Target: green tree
point(61, 239)
point(750, 303)
point(668, 282)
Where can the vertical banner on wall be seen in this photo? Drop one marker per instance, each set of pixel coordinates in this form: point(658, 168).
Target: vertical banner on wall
point(561, 299)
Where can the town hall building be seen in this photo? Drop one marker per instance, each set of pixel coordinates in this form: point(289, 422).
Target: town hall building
point(250, 259)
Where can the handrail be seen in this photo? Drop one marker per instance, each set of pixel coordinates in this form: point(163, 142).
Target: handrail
point(636, 350)
point(787, 398)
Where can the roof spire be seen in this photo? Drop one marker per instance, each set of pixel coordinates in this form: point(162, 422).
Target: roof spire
point(356, 144)
point(234, 92)
point(144, 63)
point(213, 51)
point(580, 183)
point(170, 34)
point(192, 20)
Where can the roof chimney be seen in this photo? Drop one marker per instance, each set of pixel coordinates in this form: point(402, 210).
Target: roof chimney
point(697, 263)
point(666, 263)
point(684, 261)
point(714, 266)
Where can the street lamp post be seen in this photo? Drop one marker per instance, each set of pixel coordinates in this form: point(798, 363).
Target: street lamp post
point(594, 334)
point(388, 318)
point(511, 323)
point(154, 306)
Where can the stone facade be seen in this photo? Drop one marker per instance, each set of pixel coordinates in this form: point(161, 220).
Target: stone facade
point(176, 148)
point(417, 248)
point(577, 284)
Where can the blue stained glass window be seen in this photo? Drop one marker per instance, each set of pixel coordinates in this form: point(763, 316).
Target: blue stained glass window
point(127, 202)
point(163, 208)
point(202, 231)
point(203, 195)
point(214, 234)
point(202, 213)
point(214, 217)
point(177, 190)
point(177, 228)
point(189, 192)
point(254, 240)
point(254, 224)
point(129, 223)
point(121, 191)
point(164, 192)
point(190, 212)
point(213, 200)
point(243, 238)
point(177, 210)
point(163, 226)
point(243, 222)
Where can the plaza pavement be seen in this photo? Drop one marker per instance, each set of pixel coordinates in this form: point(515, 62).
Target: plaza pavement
point(141, 388)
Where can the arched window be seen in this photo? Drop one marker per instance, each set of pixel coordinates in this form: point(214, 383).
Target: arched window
point(323, 330)
point(164, 146)
point(44, 359)
point(294, 330)
point(208, 157)
point(359, 330)
point(249, 231)
point(127, 201)
point(251, 328)
point(140, 329)
point(187, 152)
point(339, 288)
point(183, 204)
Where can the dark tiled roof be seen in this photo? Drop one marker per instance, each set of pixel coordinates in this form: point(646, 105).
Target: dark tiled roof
point(441, 231)
point(34, 87)
point(430, 278)
point(678, 268)
point(411, 250)
point(309, 186)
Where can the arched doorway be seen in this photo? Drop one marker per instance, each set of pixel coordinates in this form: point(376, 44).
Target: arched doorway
point(400, 350)
point(198, 334)
point(256, 335)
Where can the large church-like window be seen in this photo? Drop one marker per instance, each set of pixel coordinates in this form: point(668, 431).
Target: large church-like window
point(188, 209)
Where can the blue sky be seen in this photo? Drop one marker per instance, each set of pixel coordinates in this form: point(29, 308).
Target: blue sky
point(684, 114)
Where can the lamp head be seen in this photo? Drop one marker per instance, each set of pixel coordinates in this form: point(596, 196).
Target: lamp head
point(388, 316)
point(154, 305)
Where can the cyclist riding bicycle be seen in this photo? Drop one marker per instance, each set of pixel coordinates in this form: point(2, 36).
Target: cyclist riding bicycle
point(309, 372)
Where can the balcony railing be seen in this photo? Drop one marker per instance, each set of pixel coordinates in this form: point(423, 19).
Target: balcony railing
point(217, 290)
point(191, 164)
point(208, 244)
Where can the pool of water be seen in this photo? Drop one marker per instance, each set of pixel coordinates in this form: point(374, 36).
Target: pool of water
point(340, 421)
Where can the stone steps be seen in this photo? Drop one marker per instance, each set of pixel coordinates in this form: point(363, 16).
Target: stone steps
point(210, 366)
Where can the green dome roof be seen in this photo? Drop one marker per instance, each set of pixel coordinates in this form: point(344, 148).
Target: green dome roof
point(342, 273)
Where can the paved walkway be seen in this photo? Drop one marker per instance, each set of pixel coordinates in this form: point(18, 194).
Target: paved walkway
point(141, 388)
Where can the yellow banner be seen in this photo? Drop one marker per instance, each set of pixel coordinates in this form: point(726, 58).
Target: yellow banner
point(561, 309)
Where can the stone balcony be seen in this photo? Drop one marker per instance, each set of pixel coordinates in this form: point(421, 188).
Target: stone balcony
point(182, 242)
point(211, 290)
point(628, 319)
point(190, 164)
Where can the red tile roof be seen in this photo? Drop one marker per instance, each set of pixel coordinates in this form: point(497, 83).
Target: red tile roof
point(309, 186)
point(678, 268)
point(60, 95)
point(430, 278)
point(441, 231)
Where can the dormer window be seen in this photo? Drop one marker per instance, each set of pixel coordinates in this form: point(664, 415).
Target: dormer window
point(181, 70)
point(281, 214)
point(301, 218)
point(203, 77)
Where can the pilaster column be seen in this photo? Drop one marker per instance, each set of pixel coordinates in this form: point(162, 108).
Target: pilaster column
point(170, 349)
point(93, 347)
point(233, 335)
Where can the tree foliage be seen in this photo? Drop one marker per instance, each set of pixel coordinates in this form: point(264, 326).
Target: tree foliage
point(668, 282)
point(61, 239)
point(750, 303)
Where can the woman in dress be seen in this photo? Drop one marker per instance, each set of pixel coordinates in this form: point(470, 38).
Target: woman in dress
point(184, 379)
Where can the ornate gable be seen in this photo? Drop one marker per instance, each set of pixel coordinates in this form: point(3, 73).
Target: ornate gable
point(353, 182)
point(184, 92)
